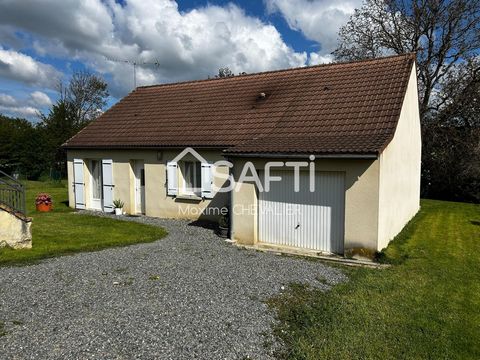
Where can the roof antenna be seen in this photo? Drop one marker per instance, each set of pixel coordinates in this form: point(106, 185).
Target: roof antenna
point(134, 64)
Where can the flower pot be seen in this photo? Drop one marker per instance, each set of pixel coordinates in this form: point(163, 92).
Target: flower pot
point(118, 211)
point(222, 232)
point(44, 207)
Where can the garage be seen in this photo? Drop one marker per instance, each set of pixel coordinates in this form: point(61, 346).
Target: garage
point(304, 219)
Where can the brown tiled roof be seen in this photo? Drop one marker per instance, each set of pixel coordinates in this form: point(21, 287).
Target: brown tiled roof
point(336, 108)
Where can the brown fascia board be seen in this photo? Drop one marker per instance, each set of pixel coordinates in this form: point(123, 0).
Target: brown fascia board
point(140, 147)
point(304, 156)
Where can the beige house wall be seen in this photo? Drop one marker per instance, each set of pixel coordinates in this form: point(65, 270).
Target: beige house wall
point(400, 170)
point(157, 202)
point(361, 200)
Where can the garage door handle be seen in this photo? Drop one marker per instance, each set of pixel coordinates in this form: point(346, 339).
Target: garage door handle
point(296, 227)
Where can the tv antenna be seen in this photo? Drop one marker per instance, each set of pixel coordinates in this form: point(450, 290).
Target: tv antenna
point(134, 64)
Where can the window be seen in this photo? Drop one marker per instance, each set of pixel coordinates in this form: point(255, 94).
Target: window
point(96, 179)
point(142, 177)
point(192, 176)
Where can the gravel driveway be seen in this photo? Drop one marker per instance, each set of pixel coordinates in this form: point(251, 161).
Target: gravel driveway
point(189, 295)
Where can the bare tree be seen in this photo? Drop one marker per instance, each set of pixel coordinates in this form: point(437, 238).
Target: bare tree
point(442, 32)
point(85, 96)
point(458, 101)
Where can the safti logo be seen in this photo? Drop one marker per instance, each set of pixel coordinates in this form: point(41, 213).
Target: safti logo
point(194, 153)
point(250, 174)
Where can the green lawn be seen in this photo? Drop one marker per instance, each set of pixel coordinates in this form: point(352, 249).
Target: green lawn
point(425, 306)
point(62, 231)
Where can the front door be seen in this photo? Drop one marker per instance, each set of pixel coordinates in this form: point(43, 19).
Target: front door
point(96, 184)
point(139, 187)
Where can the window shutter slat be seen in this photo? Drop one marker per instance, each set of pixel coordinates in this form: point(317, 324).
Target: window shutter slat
point(107, 178)
point(207, 180)
point(172, 179)
point(78, 184)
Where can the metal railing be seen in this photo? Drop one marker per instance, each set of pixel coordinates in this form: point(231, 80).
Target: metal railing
point(12, 193)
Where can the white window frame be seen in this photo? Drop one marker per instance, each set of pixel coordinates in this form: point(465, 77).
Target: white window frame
point(96, 203)
point(197, 189)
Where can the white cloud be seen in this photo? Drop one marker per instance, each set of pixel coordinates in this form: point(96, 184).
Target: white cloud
point(38, 98)
point(318, 20)
point(28, 112)
point(7, 100)
point(23, 68)
point(186, 45)
point(316, 59)
point(24, 107)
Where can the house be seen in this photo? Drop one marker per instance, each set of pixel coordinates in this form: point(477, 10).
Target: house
point(343, 138)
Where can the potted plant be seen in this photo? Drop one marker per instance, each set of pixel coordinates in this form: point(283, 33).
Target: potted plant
point(43, 202)
point(118, 205)
point(223, 226)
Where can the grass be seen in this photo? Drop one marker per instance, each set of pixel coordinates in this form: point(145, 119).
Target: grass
point(425, 306)
point(63, 232)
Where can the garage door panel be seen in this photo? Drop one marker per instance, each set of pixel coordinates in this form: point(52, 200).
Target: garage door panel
point(304, 219)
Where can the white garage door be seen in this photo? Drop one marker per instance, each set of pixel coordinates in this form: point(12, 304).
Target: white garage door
point(304, 219)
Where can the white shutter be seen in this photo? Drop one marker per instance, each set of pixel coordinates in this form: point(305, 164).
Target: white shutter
point(78, 184)
point(107, 180)
point(207, 180)
point(172, 178)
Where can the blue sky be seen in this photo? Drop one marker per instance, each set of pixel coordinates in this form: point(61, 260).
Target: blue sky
point(42, 42)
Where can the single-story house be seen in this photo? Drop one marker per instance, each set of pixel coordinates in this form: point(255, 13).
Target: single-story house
point(350, 129)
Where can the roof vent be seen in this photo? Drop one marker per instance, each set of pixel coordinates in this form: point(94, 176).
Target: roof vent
point(262, 95)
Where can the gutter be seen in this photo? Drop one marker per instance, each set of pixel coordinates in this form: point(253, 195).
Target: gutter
point(226, 154)
point(142, 147)
point(302, 156)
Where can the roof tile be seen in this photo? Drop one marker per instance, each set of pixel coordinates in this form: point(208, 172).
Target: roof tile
point(336, 108)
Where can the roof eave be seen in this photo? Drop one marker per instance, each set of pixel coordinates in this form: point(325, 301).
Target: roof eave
point(366, 155)
point(140, 147)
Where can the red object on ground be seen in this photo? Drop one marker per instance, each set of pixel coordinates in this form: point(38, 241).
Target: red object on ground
point(44, 207)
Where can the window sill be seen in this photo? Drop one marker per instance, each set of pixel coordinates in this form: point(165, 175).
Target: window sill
point(189, 197)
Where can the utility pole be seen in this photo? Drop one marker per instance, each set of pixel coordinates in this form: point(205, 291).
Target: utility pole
point(134, 64)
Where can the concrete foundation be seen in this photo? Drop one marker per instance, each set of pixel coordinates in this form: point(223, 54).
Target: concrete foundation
point(15, 229)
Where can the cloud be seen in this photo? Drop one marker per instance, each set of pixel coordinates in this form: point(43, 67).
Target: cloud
point(20, 67)
point(316, 59)
point(28, 107)
point(7, 100)
point(318, 20)
point(39, 98)
point(28, 112)
point(185, 45)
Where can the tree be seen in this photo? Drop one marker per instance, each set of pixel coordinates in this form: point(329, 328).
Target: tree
point(224, 72)
point(80, 102)
point(458, 101)
point(451, 162)
point(21, 147)
point(444, 33)
point(86, 95)
point(58, 126)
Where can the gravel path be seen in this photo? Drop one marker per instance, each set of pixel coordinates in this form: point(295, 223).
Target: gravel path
point(189, 295)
